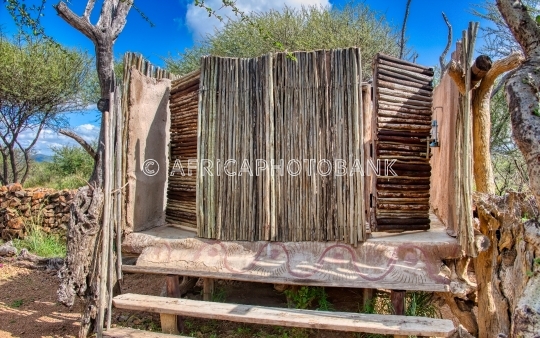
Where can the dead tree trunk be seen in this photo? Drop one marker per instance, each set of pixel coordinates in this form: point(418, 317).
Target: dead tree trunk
point(485, 73)
point(80, 274)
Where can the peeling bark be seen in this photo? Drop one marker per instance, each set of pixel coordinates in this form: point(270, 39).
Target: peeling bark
point(80, 275)
point(503, 271)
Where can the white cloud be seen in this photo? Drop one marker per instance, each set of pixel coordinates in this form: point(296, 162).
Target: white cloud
point(200, 24)
point(49, 138)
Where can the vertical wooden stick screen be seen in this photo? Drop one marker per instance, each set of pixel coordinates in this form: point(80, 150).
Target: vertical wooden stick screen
point(302, 116)
point(401, 129)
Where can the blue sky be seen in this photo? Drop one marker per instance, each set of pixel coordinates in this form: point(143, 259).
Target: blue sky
point(178, 25)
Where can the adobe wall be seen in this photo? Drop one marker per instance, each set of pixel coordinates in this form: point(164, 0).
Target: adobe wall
point(442, 195)
point(148, 125)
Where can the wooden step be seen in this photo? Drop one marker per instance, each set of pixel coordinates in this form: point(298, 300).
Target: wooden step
point(400, 284)
point(124, 332)
point(339, 321)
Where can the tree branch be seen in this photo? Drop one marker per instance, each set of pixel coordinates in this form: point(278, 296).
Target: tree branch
point(119, 20)
point(105, 18)
point(79, 140)
point(442, 58)
point(499, 67)
point(402, 42)
point(456, 73)
point(88, 9)
point(81, 24)
point(500, 84)
point(522, 25)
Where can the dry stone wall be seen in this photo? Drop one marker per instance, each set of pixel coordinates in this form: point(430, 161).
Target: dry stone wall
point(20, 208)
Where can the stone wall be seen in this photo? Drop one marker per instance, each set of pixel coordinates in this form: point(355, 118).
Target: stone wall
point(20, 208)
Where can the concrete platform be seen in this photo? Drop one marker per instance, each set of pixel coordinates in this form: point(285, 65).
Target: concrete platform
point(405, 261)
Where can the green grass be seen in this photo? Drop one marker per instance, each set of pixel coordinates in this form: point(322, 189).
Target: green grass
point(40, 243)
point(16, 303)
point(306, 297)
point(417, 303)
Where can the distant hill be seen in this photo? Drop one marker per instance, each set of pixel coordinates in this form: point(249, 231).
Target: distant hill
point(42, 158)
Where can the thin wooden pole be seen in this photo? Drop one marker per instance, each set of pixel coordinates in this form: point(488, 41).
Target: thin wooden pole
point(103, 303)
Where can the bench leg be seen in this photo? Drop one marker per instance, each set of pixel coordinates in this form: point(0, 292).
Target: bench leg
point(208, 289)
point(169, 323)
point(397, 297)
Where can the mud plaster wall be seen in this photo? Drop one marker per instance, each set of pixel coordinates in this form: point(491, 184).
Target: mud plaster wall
point(445, 95)
point(148, 127)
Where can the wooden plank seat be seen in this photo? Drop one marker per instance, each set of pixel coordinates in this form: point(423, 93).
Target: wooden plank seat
point(124, 332)
point(339, 321)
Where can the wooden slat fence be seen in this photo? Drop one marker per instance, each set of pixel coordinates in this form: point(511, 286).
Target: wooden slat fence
point(401, 130)
point(294, 113)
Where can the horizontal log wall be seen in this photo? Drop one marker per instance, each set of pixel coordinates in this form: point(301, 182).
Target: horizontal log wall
point(181, 189)
point(401, 129)
point(280, 109)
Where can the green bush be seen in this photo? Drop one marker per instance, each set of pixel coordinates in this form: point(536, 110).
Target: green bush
point(70, 168)
point(304, 29)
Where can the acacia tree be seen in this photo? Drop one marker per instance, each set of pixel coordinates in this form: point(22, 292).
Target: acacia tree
point(39, 82)
point(305, 28)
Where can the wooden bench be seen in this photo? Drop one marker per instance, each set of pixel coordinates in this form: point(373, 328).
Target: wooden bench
point(124, 332)
point(339, 321)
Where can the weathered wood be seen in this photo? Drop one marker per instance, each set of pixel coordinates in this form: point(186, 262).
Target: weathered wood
point(341, 321)
point(402, 62)
point(254, 100)
point(124, 332)
point(397, 298)
point(402, 221)
point(208, 289)
point(404, 100)
point(184, 105)
point(169, 322)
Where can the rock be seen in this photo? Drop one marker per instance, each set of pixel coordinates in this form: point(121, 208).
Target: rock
point(15, 223)
point(14, 203)
point(13, 187)
point(38, 195)
point(20, 193)
point(8, 250)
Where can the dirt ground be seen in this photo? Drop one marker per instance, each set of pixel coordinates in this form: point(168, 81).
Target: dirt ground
point(28, 307)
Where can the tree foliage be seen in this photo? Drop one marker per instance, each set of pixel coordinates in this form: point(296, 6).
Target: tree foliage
point(509, 165)
point(498, 39)
point(39, 81)
point(306, 28)
point(70, 168)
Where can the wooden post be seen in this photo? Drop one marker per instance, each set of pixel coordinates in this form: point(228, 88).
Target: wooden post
point(169, 323)
point(367, 296)
point(397, 297)
point(208, 289)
